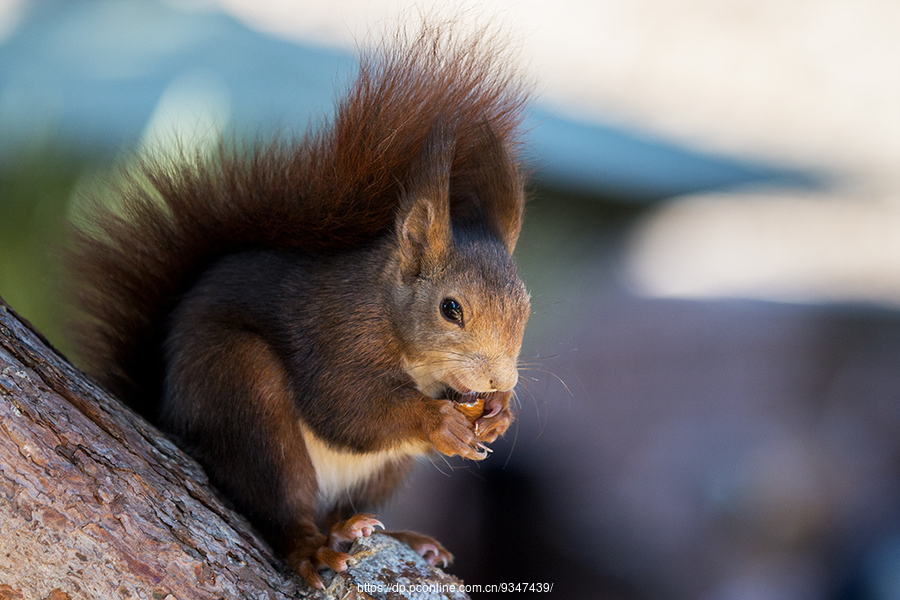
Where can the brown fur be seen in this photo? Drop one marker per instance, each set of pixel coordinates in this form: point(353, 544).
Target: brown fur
point(278, 308)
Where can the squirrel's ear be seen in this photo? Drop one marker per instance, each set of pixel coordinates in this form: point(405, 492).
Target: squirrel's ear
point(424, 235)
point(423, 231)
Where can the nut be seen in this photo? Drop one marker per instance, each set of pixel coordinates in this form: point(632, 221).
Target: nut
point(472, 410)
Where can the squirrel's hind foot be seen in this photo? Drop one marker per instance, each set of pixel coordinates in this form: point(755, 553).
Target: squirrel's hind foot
point(332, 554)
point(428, 548)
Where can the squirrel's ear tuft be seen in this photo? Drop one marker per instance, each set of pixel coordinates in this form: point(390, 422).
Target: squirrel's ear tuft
point(424, 233)
point(490, 191)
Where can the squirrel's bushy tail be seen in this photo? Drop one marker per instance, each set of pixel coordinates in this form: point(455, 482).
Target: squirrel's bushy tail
point(335, 187)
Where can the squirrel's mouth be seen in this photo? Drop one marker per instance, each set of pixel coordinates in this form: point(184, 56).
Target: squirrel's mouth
point(469, 398)
point(466, 396)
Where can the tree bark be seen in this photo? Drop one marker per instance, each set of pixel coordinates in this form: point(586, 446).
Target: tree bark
point(97, 503)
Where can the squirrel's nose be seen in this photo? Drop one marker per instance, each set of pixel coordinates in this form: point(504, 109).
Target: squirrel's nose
point(504, 378)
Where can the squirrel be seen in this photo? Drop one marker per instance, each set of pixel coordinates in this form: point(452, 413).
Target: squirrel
point(308, 317)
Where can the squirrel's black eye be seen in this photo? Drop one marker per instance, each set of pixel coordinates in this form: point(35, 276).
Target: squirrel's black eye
point(452, 310)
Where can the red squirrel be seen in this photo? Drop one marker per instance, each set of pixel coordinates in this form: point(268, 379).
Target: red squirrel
point(307, 317)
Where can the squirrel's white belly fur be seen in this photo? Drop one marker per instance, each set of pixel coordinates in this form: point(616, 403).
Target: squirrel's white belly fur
point(340, 471)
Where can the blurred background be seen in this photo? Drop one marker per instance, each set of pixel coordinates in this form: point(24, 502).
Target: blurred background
point(710, 394)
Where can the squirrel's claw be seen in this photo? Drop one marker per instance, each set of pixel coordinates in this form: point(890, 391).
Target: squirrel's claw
point(332, 559)
point(357, 526)
point(483, 451)
point(496, 419)
point(433, 556)
point(309, 573)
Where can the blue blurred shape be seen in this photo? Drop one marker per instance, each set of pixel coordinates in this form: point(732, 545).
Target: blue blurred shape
point(618, 163)
point(92, 73)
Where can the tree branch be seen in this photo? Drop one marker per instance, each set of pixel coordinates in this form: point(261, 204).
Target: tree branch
point(97, 503)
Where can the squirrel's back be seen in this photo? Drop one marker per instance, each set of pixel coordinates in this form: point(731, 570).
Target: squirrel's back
point(334, 188)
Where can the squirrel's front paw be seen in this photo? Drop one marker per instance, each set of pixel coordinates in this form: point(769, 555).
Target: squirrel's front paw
point(455, 436)
point(496, 417)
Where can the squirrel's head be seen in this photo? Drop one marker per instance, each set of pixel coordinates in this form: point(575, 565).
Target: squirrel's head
point(459, 306)
point(460, 315)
